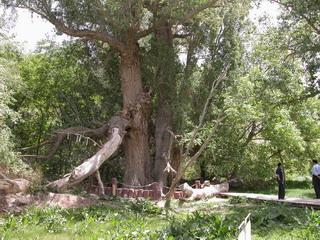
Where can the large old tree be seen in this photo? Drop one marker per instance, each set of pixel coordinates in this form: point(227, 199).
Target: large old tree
point(121, 25)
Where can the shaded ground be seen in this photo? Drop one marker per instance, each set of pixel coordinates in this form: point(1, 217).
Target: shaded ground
point(18, 202)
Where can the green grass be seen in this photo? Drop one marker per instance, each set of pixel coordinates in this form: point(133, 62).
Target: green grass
point(118, 219)
point(276, 221)
point(113, 220)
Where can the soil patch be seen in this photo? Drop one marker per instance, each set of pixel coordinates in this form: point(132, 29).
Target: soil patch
point(19, 201)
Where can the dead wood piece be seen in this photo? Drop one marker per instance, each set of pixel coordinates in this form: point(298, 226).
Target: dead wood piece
point(79, 132)
point(117, 131)
point(203, 193)
point(56, 140)
point(100, 183)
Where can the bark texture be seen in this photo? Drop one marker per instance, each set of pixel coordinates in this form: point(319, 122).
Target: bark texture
point(165, 93)
point(136, 143)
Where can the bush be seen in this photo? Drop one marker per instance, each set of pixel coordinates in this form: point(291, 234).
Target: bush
point(199, 226)
point(145, 207)
point(312, 229)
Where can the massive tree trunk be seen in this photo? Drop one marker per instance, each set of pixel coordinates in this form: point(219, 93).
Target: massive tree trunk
point(136, 144)
point(165, 93)
point(133, 130)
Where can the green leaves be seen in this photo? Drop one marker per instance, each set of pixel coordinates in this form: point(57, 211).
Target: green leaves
point(10, 83)
point(199, 225)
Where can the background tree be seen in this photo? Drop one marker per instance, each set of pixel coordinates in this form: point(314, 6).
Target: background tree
point(301, 21)
point(85, 96)
point(10, 83)
point(267, 99)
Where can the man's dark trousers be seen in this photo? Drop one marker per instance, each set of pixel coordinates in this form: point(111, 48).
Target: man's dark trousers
point(316, 185)
point(281, 191)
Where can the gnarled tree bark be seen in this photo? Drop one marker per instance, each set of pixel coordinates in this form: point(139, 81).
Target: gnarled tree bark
point(165, 94)
point(136, 143)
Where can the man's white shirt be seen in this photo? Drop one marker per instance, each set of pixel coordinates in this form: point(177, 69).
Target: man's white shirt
point(316, 169)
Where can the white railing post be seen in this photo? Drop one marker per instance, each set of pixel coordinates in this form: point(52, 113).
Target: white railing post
point(244, 229)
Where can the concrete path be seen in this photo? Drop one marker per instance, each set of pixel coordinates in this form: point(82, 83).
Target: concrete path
point(301, 202)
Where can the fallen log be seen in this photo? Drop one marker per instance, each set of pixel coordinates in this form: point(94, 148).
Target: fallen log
point(117, 130)
point(203, 193)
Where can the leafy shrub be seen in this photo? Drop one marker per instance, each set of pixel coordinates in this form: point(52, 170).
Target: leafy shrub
point(271, 214)
point(199, 226)
point(237, 200)
point(314, 220)
point(146, 207)
point(10, 83)
point(311, 231)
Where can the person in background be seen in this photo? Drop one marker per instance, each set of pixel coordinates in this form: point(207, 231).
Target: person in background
point(316, 178)
point(280, 180)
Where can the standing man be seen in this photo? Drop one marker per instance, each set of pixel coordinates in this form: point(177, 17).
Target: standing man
point(316, 178)
point(280, 180)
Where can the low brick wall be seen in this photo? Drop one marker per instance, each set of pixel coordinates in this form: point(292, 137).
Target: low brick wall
point(151, 191)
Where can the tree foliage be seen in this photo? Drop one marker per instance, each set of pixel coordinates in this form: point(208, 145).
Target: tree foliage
point(269, 94)
point(10, 83)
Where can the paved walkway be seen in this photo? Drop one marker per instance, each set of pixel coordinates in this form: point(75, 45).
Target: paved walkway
point(301, 202)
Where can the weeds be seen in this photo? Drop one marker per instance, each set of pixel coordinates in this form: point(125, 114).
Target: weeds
point(136, 220)
point(200, 225)
point(145, 207)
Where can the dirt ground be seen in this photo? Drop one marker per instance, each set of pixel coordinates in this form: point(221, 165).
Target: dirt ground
point(19, 201)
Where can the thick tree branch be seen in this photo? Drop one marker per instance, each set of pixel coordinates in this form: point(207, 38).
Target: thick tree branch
point(93, 35)
point(45, 12)
point(8, 185)
point(87, 133)
point(118, 126)
point(100, 183)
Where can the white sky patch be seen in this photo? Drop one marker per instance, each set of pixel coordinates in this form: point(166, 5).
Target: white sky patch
point(30, 29)
point(265, 15)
